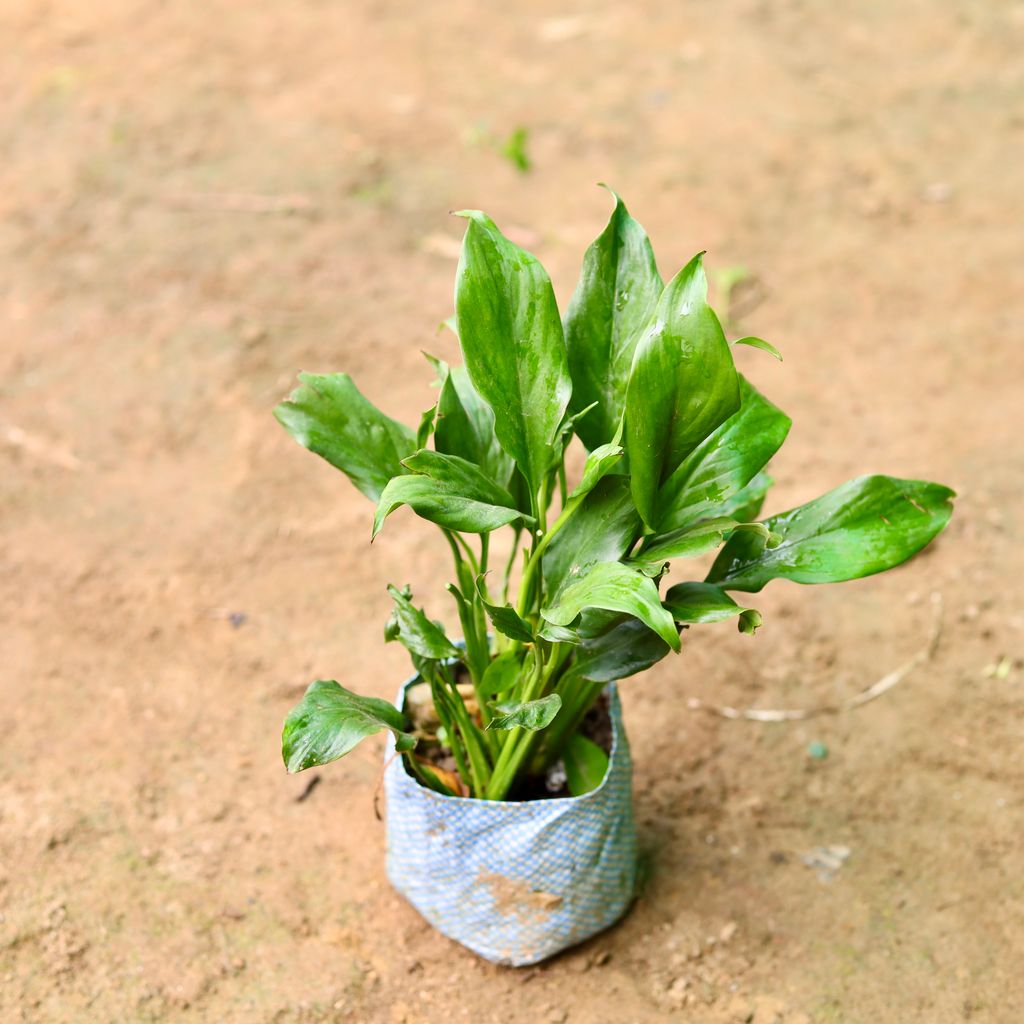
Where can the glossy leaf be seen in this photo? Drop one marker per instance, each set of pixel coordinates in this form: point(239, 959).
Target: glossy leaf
point(512, 343)
point(625, 648)
point(745, 505)
point(505, 619)
point(531, 714)
point(865, 526)
point(618, 287)
point(586, 764)
point(602, 529)
point(764, 346)
point(704, 602)
point(724, 463)
point(465, 425)
point(448, 491)
point(691, 541)
point(411, 626)
point(502, 674)
point(330, 720)
point(613, 586)
point(682, 386)
point(328, 415)
point(439, 502)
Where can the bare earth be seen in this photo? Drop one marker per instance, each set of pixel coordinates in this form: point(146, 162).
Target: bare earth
point(200, 199)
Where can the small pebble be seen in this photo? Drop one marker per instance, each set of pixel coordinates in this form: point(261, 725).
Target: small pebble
point(818, 750)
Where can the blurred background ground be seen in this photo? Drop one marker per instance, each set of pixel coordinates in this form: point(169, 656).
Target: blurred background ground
point(200, 199)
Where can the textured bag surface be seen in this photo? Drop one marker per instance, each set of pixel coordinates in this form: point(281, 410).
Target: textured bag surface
point(515, 882)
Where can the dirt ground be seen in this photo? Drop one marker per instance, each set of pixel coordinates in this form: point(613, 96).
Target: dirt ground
point(199, 199)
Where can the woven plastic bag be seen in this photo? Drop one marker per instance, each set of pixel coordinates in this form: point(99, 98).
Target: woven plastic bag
point(516, 882)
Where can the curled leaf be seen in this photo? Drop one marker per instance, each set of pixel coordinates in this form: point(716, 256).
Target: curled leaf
point(531, 714)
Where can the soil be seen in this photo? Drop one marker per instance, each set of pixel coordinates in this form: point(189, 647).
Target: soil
point(201, 199)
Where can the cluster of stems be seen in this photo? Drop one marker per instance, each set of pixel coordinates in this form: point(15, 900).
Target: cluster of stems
point(491, 762)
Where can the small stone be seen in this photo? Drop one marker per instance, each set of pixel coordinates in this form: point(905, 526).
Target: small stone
point(601, 957)
point(728, 931)
point(817, 750)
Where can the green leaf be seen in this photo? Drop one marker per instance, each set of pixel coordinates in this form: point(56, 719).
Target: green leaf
point(514, 149)
point(532, 714)
point(602, 529)
point(628, 646)
point(330, 720)
point(465, 425)
point(411, 626)
point(600, 462)
point(613, 586)
point(502, 674)
point(586, 764)
point(328, 415)
point(682, 386)
point(765, 346)
point(865, 526)
point(704, 602)
point(745, 505)
point(618, 287)
point(723, 464)
point(512, 343)
point(691, 541)
point(463, 475)
point(448, 491)
point(426, 427)
point(442, 504)
point(505, 619)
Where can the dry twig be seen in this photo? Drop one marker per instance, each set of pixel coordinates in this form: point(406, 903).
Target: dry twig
point(883, 685)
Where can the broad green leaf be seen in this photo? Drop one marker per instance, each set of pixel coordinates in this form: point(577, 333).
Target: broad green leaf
point(558, 634)
point(441, 503)
point(625, 648)
point(745, 505)
point(602, 529)
point(586, 764)
point(465, 425)
point(505, 619)
point(682, 386)
point(723, 464)
point(328, 415)
point(532, 714)
point(502, 674)
point(411, 626)
point(330, 720)
point(512, 343)
point(613, 586)
point(704, 602)
point(865, 526)
point(448, 491)
point(764, 346)
point(466, 477)
point(691, 541)
point(618, 287)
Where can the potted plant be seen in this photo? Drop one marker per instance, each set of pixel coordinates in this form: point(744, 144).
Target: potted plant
point(509, 818)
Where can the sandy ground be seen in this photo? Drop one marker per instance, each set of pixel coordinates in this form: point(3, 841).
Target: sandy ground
point(200, 199)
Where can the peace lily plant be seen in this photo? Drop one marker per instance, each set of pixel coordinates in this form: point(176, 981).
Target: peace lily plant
point(676, 442)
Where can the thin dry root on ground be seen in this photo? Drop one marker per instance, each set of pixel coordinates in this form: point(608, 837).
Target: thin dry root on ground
point(883, 685)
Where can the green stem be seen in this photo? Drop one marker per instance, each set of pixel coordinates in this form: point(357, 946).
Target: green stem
point(510, 565)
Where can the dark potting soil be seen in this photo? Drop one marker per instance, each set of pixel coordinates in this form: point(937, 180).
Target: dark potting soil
point(596, 726)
